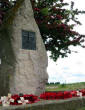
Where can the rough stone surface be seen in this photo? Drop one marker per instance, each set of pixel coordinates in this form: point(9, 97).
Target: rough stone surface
point(30, 74)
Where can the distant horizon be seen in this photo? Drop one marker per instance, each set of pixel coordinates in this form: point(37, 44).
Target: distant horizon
point(66, 83)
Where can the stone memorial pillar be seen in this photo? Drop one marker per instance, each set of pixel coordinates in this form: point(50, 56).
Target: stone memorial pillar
point(30, 75)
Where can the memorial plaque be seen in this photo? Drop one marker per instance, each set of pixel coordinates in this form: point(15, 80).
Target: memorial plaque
point(28, 40)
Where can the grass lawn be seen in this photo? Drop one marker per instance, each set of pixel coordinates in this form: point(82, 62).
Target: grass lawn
point(64, 87)
point(82, 108)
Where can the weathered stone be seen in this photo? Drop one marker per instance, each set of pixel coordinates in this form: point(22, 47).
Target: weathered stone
point(30, 74)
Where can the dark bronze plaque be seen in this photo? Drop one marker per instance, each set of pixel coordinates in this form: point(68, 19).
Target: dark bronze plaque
point(28, 40)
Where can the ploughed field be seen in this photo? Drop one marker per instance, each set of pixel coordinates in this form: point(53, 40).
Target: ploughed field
point(65, 87)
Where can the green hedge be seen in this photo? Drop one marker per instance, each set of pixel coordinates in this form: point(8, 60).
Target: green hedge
point(70, 104)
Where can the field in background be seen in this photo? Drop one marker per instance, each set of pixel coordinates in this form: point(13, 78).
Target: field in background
point(65, 87)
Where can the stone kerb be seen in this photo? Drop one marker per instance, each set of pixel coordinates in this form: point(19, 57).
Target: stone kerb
point(69, 104)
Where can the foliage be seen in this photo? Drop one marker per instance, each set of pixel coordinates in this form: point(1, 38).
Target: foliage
point(53, 20)
point(63, 85)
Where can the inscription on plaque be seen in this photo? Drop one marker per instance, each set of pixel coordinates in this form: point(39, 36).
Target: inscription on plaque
point(28, 40)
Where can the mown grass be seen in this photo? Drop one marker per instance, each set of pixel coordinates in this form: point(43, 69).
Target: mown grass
point(82, 108)
point(64, 87)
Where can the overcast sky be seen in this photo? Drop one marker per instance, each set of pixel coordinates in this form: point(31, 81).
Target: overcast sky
point(72, 68)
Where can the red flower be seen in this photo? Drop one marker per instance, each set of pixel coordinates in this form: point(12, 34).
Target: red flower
point(67, 95)
point(74, 93)
point(83, 92)
point(48, 96)
point(60, 95)
point(36, 9)
point(52, 95)
point(62, 25)
point(31, 98)
point(59, 17)
point(16, 97)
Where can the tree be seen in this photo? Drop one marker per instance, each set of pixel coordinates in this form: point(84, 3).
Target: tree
point(53, 20)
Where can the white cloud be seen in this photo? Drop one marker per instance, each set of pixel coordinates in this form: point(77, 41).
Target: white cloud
point(72, 68)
